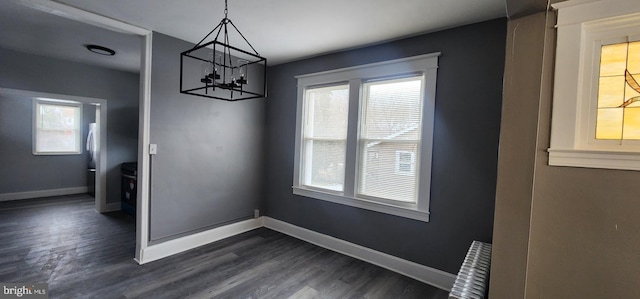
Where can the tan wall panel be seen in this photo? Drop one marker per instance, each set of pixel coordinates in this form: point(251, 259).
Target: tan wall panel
point(579, 236)
point(585, 234)
point(521, 97)
point(585, 223)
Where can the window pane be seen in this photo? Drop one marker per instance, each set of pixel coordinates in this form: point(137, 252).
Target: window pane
point(609, 123)
point(388, 170)
point(327, 111)
point(57, 128)
point(393, 109)
point(632, 123)
point(619, 92)
point(631, 96)
point(325, 133)
point(613, 60)
point(325, 168)
point(390, 135)
point(58, 117)
point(56, 141)
point(633, 64)
point(611, 91)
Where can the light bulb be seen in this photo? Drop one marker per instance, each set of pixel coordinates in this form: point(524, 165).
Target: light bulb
point(206, 68)
point(217, 58)
point(242, 71)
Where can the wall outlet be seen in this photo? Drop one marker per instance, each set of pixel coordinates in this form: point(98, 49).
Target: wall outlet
point(256, 213)
point(153, 149)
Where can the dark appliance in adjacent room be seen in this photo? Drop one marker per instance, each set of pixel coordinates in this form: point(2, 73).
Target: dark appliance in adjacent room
point(129, 187)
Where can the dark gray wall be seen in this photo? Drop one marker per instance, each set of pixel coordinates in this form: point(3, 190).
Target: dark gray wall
point(43, 74)
point(467, 124)
point(209, 166)
point(22, 171)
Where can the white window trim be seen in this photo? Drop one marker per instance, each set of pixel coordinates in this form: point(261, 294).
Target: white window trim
point(425, 64)
point(583, 26)
point(34, 131)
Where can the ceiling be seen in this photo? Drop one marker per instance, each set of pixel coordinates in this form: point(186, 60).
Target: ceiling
point(29, 30)
point(280, 30)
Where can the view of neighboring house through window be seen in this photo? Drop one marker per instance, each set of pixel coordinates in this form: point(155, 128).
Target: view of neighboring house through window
point(405, 162)
point(390, 126)
point(57, 127)
point(364, 136)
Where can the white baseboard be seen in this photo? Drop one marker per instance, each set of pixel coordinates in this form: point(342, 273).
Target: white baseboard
point(171, 247)
point(432, 276)
point(112, 207)
point(42, 193)
point(428, 275)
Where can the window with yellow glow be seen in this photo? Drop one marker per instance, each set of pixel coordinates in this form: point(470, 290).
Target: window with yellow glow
point(619, 92)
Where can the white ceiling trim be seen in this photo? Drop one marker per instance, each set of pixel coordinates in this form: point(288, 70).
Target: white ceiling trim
point(84, 16)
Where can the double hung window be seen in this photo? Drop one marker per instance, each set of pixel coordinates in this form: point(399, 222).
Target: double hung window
point(56, 127)
point(364, 136)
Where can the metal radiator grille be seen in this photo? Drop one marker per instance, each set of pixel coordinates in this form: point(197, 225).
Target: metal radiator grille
point(473, 277)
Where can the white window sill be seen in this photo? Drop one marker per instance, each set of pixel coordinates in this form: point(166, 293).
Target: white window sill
point(364, 204)
point(56, 153)
point(624, 160)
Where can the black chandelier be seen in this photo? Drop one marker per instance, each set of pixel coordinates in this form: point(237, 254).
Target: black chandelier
point(218, 70)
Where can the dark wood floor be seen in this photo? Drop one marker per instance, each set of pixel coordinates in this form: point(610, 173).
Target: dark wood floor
point(82, 254)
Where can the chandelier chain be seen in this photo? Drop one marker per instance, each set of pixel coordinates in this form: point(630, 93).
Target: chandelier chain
point(226, 10)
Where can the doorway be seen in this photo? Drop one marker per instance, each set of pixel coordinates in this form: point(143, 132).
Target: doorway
point(26, 98)
point(143, 181)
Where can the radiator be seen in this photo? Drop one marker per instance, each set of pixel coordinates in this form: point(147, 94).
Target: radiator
point(473, 278)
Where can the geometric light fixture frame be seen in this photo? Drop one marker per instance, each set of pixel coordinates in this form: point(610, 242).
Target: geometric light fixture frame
point(218, 70)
